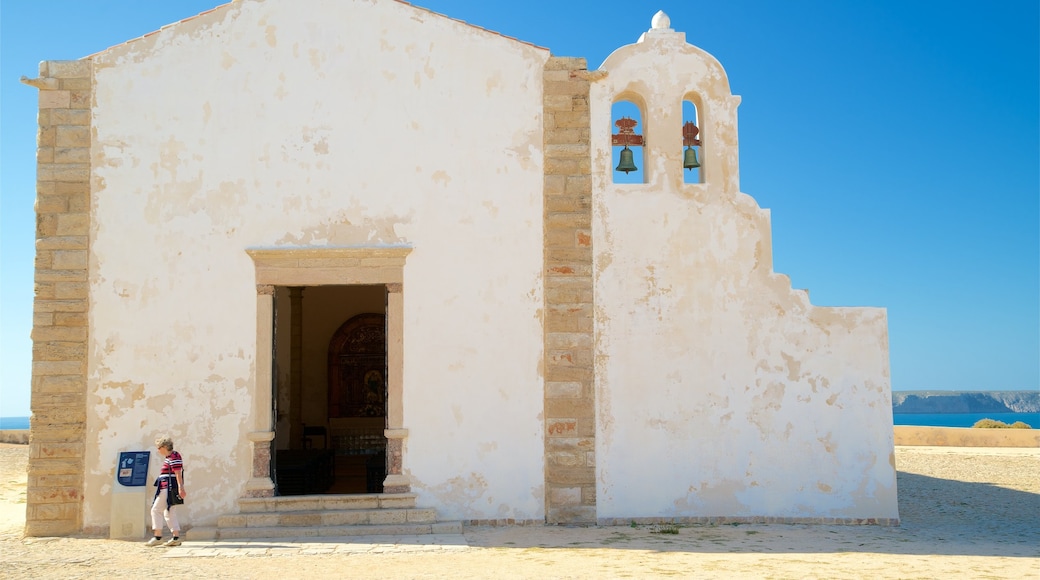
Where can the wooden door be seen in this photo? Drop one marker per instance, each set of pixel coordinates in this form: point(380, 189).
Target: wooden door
point(357, 368)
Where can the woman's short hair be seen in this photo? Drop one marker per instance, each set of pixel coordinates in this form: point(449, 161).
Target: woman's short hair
point(164, 441)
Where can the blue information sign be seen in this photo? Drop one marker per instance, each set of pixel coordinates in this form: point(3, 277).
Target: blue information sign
point(132, 470)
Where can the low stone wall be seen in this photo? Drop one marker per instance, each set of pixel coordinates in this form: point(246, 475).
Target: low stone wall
point(966, 437)
point(19, 436)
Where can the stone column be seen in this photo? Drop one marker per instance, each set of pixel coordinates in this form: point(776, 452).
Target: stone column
point(58, 435)
point(396, 481)
point(260, 484)
point(295, 367)
point(570, 403)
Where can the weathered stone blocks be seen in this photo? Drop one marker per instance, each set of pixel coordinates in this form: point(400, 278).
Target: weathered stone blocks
point(55, 99)
point(65, 69)
point(569, 404)
point(60, 332)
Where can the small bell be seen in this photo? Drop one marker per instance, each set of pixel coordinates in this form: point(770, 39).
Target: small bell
point(690, 159)
point(627, 161)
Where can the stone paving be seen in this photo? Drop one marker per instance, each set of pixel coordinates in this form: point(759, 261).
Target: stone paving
point(314, 546)
point(966, 513)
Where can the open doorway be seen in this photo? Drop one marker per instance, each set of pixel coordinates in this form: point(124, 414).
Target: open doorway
point(330, 354)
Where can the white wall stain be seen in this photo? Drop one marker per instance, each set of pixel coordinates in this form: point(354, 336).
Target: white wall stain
point(469, 492)
point(440, 178)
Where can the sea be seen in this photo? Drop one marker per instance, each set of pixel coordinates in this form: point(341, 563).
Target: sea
point(963, 419)
point(915, 419)
point(13, 423)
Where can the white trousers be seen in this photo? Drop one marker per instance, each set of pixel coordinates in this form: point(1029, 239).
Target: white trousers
point(159, 510)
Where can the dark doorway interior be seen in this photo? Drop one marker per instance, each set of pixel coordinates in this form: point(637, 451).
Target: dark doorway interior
point(330, 353)
point(357, 403)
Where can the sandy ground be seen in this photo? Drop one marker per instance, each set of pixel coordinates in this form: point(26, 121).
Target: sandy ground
point(966, 513)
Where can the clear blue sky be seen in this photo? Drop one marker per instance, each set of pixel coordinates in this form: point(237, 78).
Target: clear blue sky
point(896, 143)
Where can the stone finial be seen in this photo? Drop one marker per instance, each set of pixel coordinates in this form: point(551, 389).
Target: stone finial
point(660, 21)
point(660, 25)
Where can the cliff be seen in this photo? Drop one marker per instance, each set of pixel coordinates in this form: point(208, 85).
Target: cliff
point(966, 402)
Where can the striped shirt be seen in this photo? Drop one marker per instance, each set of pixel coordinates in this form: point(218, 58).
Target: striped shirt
point(171, 464)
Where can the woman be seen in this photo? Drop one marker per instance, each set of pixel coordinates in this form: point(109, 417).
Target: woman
point(169, 492)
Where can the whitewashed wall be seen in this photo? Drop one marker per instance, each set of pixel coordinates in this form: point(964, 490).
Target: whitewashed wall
point(720, 390)
point(264, 124)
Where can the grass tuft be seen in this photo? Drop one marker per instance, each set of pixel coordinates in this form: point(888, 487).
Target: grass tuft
point(994, 424)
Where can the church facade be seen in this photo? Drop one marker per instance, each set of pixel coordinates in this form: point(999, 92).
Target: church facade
point(376, 237)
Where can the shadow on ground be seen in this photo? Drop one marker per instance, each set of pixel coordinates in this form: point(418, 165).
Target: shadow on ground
point(938, 517)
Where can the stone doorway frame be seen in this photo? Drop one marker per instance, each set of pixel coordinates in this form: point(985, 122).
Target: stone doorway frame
point(382, 265)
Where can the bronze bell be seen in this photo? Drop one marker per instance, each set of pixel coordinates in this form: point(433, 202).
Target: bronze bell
point(627, 162)
point(690, 159)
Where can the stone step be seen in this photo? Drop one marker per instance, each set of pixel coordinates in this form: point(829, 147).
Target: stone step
point(309, 516)
point(239, 533)
point(348, 517)
point(200, 533)
point(301, 503)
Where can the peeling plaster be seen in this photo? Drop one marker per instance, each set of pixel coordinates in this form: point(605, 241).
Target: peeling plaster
point(302, 148)
point(441, 178)
point(461, 491)
point(778, 407)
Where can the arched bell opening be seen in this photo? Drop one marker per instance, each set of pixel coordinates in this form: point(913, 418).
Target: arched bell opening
point(628, 158)
point(693, 152)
